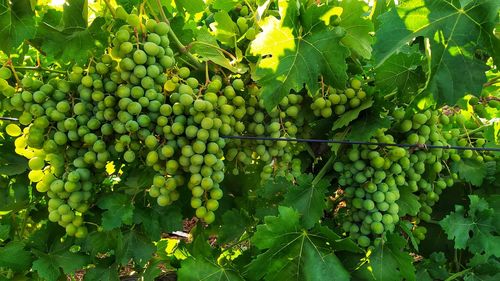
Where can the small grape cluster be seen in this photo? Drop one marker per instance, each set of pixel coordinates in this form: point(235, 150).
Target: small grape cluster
point(337, 101)
point(281, 122)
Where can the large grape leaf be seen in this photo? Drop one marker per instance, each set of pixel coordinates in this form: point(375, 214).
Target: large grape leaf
point(293, 253)
point(119, 210)
point(455, 29)
point(402, 72)
point(351, 115)
point(203, 269)
point(471, 171)
point(17, 23)
point(390, 262)
point(476, 230)
point(14, 256)
point(307, 199)
point(296, 51)
point(134, 246)
point(408, 202)
point(357, 27)
point(47, 265)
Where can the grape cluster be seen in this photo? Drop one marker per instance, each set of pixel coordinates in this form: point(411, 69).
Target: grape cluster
point(337, 101)
point(373, 176)
point(281, 122)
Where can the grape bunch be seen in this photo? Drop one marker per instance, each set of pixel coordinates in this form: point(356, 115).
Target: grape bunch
point(331, 100)
point(373, 176)
point(277, 157)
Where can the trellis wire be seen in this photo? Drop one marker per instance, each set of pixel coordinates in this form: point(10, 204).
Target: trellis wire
point(420, 146)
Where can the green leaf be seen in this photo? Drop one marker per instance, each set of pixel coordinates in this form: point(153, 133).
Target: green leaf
point(191, 6)
point(17, 23)
point(102, 242)
point(75, 13)
point(358, 28)
point(402, 72)
point(478, 230)
point(289, 59)
point(4, 232)
point(47, 268)
point(363, 128)
point(209, 50)
point(134, 246)
point(47, 265)
point(79, 43)
point(14, 256)
point(224, 29)
point(204, 269)
point(351, 115)
point(102, 274)
point(129, 5)
point(157, 221)
point(455, 31)
point(471, 171)
point(225, 5)
point(389, 262)
point(408, 202)
point(292, 253)
point(234, 224)
point(11, 164)
point(307, 199)
point(120, 210)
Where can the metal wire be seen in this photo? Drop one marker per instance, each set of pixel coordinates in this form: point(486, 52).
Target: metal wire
point(9, 119)
point(420, 146)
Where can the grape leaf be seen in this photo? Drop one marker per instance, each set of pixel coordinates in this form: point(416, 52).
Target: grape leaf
point(10, 163)
point(191, 6)
point(224, 29)
point(14, 256)
point(157, 221)
point(358, 28)
point(471, 171)
point(4, 232)
point(101, 242)
point(365, 127)
point(292, 253)
point(75, 13)
point(307, 199)
point(290, 58)
point(225, 5)
point(476, 229)
point(401, 71)
point(389, 262)
point(234, 224)
point(102, 274)
point(134, 246)
point(408, 202)
point(128, 5)
point(203, 269)
point(79, 43)
point(455, 30)
point(47, 265)
point(17, 23)
point(120, 210)
point(209, 50)
point(351, 115)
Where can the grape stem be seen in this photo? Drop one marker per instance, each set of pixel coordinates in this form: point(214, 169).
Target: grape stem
point(323, 170)
point(111, 10)
point(471, 132)
point(174, 37)
point(38, 68)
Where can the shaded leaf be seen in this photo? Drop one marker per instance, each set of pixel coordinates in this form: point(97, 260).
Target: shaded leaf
point(351, 115)
point(402, 72)
point(17, 23)
point(358, 28)
point(408, 203)
point(307, 199)
point(471, 171)
point(363, 128)
point(455, 29)
point(292, 253)
point(390, 262)
point(204, 269)
point(14, 256)
point(119, 210)
point(234, 224)
point(134, 246)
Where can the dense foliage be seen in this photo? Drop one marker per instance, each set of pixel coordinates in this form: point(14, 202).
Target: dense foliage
point(128, 123)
